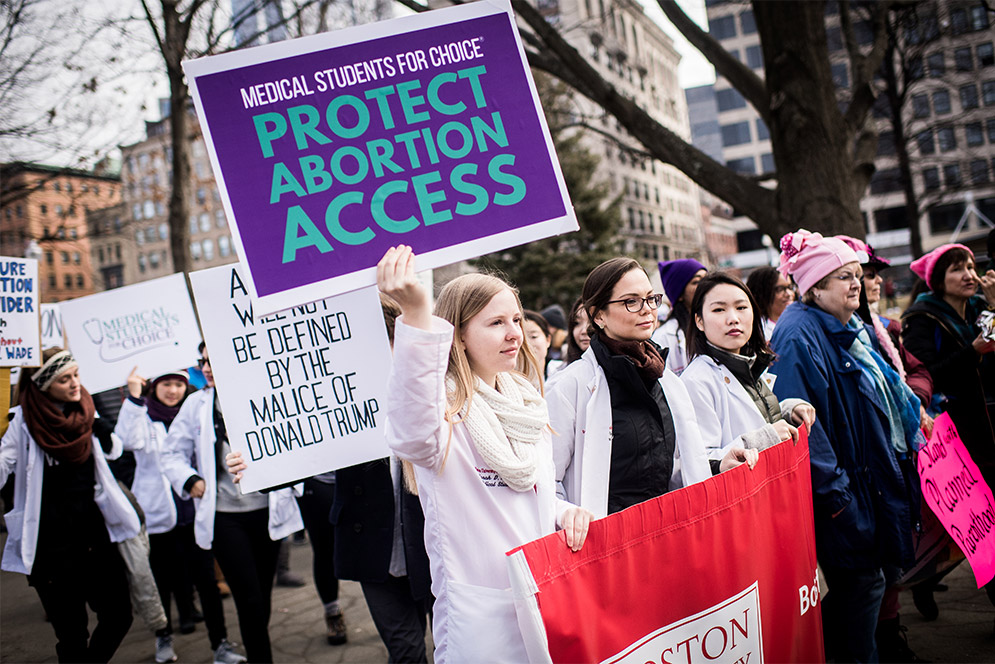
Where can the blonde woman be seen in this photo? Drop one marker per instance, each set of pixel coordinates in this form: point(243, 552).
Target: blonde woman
point(461, 409)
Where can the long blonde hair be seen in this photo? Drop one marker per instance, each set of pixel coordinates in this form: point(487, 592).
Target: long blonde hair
point(460, 300)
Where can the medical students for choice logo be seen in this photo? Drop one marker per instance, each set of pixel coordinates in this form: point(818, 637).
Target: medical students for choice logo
point(132, 333)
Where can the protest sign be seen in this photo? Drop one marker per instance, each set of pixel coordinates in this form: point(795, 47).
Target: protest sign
point(954, 489)
point(20, 336)
point(721, 571)
point(51, 326)
point(303, 390)
point(150, 325)
point(424, 130)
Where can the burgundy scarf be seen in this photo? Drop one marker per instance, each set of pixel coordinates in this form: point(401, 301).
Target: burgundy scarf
point(649, 363)
point(66, 436)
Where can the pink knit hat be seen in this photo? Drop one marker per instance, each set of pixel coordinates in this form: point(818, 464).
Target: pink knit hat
point(923, 266)
point(808, 257)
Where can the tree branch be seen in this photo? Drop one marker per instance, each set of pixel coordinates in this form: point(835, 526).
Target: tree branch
point(748, 197)
point(739, 75)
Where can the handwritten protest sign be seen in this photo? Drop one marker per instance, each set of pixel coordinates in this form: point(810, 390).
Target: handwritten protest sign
point(150, 325)
point(20, 337)
point(303, 390)
point(424, 130)
point(953, 488)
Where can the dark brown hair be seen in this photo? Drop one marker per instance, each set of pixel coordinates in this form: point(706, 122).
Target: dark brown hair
point(762, 283)
point(539, 320)
point(391, 311)
point(697, 342)
point(573, 348)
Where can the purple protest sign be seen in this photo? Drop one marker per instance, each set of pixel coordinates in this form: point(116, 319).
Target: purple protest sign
point(424, 130)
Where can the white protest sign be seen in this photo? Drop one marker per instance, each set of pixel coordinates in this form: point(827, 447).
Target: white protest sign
point(304, 390)
point(150, 325)
point(20, 336)
point(51, 326)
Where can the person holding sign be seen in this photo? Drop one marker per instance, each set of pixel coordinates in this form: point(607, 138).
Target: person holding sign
point(68, 510)
point(861, 446)
point(244, 530)
point(727, 378)
point(175, 557)
point(623, 429)
point(461, 409)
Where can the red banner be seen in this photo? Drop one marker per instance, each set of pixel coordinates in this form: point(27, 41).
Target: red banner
point(721, 571)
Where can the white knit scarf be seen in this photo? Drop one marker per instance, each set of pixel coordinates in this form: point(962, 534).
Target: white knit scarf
point(505, 425)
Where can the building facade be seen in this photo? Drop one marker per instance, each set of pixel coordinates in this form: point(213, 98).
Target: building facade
point(945, 58)
point(43, 215)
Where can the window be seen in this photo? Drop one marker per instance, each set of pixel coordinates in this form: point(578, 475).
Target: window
point(767, 163)
point(979, 18)
point(864, 33)
point(834, 39)
point(201, 196)
point(914, 69)
point(80, 281)
point(723, 27)
point(963, 60)
point(139, 236)
point(925, 141)
point(991, 131)
point(886, 180)
point(969, 96)
point(154, 260)
point(195, 250)
point(986, 56)
point(76, 258)
point(209, 249)
point(941, 102)
point(58, 211)
point(164, 231)
point(150, 234)
point(890, 219)
point(51, 281)
point(149, 209)
point(958, 21)
point(947, 139)
point(44, 209)
point(64, 255)
point(100, 254)
point(931, 178)
point(141, 262)
point(729, 99)
point(754, 57)
point(193, 224)
point(205, 222)
point(920, 106)
point(988, 93)
point(979, 171)
point(840, 78)
point(951, 175)
point(136, 211)
point(219, 218)
point(763, 133)
point(67, 281)
point(973, 134)
point(747, 22)
point(224, 246)
point(73, 233)
point(735, 134)
point(935, 65)
point(48, 254)
point(117, 251)
point(886, 143)
point(744, 166)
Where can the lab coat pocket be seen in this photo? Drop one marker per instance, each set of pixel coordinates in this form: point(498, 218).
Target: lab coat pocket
point(483, 626)
point(12, 561)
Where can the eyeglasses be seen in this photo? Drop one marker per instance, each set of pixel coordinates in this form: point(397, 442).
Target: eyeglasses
point(846, 277)
point(781, 290)
point(635, 304)
point(204, 362)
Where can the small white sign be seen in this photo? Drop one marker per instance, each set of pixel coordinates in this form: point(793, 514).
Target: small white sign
point(20, 338)
point(303, 391)
point(51, 326)
point(150, 325)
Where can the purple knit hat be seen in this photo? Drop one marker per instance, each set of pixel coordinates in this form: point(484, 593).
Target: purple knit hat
point(808, 257)
point(675, 276)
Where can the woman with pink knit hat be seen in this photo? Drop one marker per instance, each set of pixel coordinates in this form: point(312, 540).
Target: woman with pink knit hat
point(941, 329)
point(861, 443)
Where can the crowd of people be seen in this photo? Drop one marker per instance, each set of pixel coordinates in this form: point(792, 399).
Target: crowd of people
point(506, 425)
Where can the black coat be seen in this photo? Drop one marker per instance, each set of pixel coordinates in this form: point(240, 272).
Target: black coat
point(363, 517)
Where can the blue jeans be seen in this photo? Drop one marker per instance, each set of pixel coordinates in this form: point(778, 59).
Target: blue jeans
point(850, 613)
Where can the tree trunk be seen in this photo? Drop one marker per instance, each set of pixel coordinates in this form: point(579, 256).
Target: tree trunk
point(812, 145)
point(175, 31)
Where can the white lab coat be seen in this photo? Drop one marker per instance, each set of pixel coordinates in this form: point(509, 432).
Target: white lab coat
point(581, 417)
point(471, 517)
point(20, 454)
point(145, 439)
point(191, 438)
point(671, 336)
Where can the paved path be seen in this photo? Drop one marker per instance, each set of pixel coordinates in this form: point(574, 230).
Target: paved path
point(963, 632)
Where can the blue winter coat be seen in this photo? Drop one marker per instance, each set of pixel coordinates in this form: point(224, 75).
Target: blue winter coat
point(855, 470)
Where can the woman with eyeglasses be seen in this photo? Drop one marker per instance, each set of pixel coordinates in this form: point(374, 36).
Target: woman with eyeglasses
point(773, 292)
point(623, 424)
point(861, 444)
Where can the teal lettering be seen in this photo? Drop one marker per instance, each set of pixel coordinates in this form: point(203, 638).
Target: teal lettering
point(304, 124)
point(332, 116)
point(426, 198)
point(315, 175)
point(283, 182)
point(473, 74)
point(381, 94)
point(269, 127)
point(449, 151)
point(496, 133)
point(379, 204)
point(362, 168)
point(516, 183)
point(456, 179)
point(409, 101)
point(381, 152)
point(433, 95)
point(297, 220)
point(333, 220)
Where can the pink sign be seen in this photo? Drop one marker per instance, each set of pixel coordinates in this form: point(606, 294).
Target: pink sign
point(953, 488)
